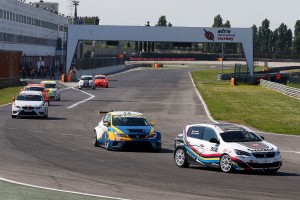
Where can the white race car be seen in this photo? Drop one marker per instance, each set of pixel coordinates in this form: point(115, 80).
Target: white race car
point(30, 103)
point(86, 81)
point(53, 90)
point(225, 146)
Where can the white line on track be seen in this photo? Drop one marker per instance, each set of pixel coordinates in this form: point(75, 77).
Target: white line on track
point(56, 190)
point(80, 102)
point(290, 152)
point(202, 101)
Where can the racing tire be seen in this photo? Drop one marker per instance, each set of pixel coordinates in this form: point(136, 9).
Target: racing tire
point(107, 86)
point(271, 171)
point(180, 158)
point(94, 88)
point(107, 144)
point(95, 142)
point(13, 116)
point(45, 116)
point(226, 163)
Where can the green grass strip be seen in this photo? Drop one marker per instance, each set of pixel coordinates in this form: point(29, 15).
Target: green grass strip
point(7, 94)
point(250, 105)
point(10, 191)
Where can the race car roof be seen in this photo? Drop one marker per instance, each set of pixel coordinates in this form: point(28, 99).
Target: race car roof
point(30, 92)
point(48, 81)
point(126, 113)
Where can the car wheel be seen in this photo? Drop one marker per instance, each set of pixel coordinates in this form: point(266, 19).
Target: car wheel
point(226, 163)
point(46, 115)
point(180, 158)
point(107, 144)
point(270, 171)
point(13, 116)
point(94, 88)
point(95, 142)
point(107, 86)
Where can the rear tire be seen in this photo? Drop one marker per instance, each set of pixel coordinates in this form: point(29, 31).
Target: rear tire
point(226, 163)
point(180, 158)
point(95, 142)
point(107, 144)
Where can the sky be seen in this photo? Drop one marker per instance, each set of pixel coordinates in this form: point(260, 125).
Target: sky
point(187, 13)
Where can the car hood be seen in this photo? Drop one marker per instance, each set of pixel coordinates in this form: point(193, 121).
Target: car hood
point(52, 90)
point(134, 129)
point(29, 103)
point(251, 147)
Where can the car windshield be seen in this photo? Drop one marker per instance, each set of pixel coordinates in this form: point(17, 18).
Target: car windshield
point(100, 77)
point(129, 121)
point(27, 97)
point(86, 78)
point(34, 89)
point(50, 85)
point(240, 136)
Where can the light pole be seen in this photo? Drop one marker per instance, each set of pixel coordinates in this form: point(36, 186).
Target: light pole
point(75, 3)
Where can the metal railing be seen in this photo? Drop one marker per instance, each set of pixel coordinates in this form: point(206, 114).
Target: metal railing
point(289, 91)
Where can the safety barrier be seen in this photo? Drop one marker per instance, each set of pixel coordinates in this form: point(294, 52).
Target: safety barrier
point(289, 91)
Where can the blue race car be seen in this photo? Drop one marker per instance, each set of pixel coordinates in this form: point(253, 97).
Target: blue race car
point(121, 129)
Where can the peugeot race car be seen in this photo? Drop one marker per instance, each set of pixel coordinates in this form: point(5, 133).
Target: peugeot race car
point(225, 146)
point(86, 81)
point(53, 89)
point(120, 129)
point(30, 103)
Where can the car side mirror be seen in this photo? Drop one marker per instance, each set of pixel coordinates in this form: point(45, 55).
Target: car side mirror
point(214, 140)
point(262, 137)
point(107, 124)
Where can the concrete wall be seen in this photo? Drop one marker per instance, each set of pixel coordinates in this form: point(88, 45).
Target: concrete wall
point(101, 70)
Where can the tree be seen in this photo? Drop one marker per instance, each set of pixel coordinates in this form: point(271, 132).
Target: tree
point(264, 35)
point(218, 21)
point(296, 42)
point(255, 41)
point(162, 21)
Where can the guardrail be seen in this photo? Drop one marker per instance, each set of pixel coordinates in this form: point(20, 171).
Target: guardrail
point(289, 91)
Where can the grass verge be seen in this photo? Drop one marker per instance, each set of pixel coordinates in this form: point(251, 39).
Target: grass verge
point(12, 191)
point(250, 105)
point(7, 94)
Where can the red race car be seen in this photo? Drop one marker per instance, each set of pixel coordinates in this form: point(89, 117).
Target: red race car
point(38, 87)
point(101, 81)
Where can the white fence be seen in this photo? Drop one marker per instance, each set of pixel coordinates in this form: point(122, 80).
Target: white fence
point(290, 91)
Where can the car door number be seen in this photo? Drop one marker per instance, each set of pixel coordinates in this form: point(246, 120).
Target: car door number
point(214, 149)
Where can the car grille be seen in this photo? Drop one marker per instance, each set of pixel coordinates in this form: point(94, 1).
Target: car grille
point(138, 136)
point(28, 108)
point(264, 165)
point(264, 155)
point(27, 113)
point(135, 130)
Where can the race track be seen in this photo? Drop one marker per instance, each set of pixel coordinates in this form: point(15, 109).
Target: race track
point(58, 152)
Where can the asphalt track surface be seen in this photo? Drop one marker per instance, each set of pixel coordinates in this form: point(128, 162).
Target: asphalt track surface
point(58, 152)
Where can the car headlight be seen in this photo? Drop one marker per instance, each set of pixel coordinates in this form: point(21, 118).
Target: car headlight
point(152, 135)
point(119, 134)
point(241, 153)
point(278, 152)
